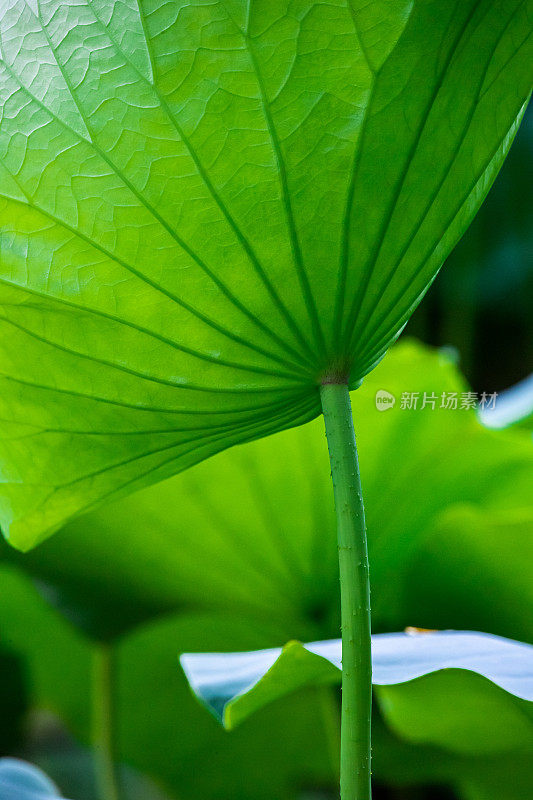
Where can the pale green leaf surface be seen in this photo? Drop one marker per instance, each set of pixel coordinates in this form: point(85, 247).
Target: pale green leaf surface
point(433, 688)
point(252, 531)
point(206, 207)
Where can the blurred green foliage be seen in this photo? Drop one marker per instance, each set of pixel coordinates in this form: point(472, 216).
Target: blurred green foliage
point(239, 553)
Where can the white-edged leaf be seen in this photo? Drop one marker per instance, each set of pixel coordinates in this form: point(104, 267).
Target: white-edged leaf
point(235, 685)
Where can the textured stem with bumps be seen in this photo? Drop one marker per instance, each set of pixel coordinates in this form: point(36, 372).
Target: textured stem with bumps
point(355, 593)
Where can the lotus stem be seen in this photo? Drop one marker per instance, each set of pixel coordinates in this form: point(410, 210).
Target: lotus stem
point(355, 782)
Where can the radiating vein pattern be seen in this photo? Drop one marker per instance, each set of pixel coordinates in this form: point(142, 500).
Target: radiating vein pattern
point(206, 206)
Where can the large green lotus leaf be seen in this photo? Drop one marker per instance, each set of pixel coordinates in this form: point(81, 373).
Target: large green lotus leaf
point(489, 556)
point(208, 207)
point(464, 691)
point(252, 530)
point(460, 712)
point(161, 729)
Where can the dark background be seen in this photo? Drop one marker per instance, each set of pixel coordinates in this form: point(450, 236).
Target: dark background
point(482, 301)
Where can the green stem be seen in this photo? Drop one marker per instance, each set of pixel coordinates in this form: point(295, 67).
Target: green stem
point(102, 723)
point(355, 594)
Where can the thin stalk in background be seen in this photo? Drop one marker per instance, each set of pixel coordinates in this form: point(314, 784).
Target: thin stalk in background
point(355, 594)
point(103, 734)
point(329, 707)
